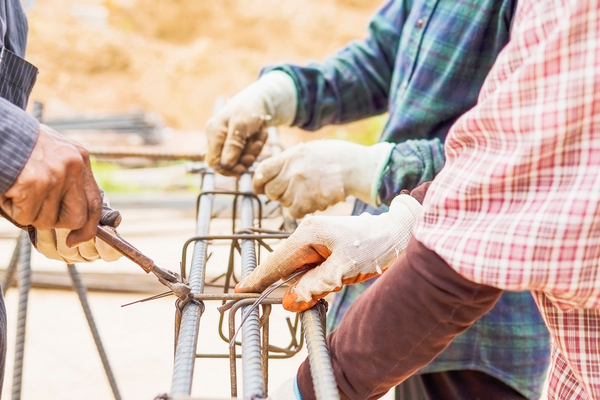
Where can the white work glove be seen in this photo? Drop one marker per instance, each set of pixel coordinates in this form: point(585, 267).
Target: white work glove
point(318, 174)
point(52, 242)
point(237, 132)
point(287, 391)
point(340, 251)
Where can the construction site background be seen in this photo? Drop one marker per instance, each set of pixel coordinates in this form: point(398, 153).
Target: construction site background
point(174, 57)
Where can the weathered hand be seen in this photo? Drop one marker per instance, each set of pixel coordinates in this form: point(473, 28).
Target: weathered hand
point(237, 132)
point(315, 175)
point(339, 251)
point(56, 189)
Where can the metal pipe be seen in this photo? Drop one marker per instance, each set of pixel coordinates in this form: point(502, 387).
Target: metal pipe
point(24, 287)
point(82, 293)
point(254, 382)
point(318, 355)
point(123, 152)
point(185, 350)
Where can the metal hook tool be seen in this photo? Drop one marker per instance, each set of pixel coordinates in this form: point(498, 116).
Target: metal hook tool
point(172, 280)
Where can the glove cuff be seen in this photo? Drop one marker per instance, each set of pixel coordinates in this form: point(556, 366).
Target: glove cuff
point(362, 167)
point(408, 201)
point(280, 96)
point(387, 149)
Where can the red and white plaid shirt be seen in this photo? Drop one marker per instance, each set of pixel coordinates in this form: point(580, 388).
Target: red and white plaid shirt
point(517, 205)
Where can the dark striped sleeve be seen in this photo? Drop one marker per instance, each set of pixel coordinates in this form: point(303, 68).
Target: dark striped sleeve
point(18, 134)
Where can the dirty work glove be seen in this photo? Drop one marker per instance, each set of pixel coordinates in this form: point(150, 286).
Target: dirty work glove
point(237, 132)
point(52, 243)
point(340, 251)
point(315, 175)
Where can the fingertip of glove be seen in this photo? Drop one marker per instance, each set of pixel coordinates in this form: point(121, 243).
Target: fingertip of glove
point(290, 302)
point(240, 288)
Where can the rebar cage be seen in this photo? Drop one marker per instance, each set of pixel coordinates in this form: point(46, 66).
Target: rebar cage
point(247, 240)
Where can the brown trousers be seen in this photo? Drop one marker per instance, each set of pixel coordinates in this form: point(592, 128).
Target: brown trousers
point(400, 324)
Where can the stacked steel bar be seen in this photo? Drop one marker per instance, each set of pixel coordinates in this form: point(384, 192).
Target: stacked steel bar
point(254, 382)
point(147, 125)
point(185, 351)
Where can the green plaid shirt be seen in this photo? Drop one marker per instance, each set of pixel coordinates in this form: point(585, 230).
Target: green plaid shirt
point(424, 62)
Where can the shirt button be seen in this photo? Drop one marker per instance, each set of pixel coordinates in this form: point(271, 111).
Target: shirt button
point(420, 23)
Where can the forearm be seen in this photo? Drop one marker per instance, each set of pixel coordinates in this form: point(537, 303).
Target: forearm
point(407, 317)
point(410, 164)
point(352, 84)
point(18, 134)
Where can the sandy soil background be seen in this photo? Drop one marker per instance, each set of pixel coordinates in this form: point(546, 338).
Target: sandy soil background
point(175, 57)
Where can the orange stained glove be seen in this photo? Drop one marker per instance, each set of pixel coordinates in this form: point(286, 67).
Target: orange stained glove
point(338, 250)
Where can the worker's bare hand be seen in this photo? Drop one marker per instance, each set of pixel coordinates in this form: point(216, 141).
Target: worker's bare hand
point(339, 251)
point(52, 242)
point(315, 175)
point(56, 189)
point(236, 135)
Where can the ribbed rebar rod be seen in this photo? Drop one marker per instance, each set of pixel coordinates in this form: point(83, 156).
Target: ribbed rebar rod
point(11, 271)
point(185, 350)
point(318, 355)
point(254, 382)
point(82, 293)
point(24, 286)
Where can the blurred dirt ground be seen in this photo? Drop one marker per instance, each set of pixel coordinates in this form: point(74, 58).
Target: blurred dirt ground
point(175, 57)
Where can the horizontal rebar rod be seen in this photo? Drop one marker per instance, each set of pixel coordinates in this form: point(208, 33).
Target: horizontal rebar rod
point(144, 153)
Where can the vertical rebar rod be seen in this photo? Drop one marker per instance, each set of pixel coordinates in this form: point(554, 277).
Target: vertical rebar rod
point(24, 286)
point(11, 271)
point(254, 383)
point(185, 348)
point(318, 355)
point(82, 293)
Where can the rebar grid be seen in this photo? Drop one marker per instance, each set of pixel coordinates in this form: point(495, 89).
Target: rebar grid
point(254, 343)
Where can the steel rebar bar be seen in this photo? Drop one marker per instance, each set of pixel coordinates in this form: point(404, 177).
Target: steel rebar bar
point(82, 294)
point(11, 271)
point(318, 355)
point(24, 286)
point(254, 382)
point(185, 350)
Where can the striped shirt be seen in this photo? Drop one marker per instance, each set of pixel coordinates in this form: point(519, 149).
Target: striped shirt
point(18, 131)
